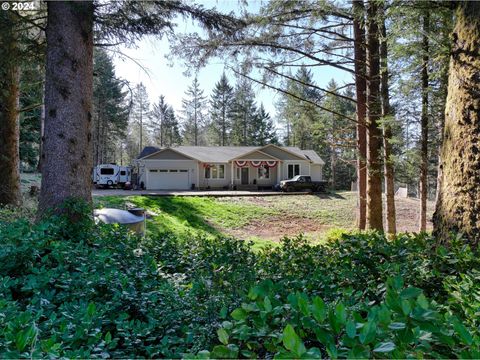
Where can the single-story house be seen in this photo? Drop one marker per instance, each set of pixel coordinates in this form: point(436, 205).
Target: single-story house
point(228, 167)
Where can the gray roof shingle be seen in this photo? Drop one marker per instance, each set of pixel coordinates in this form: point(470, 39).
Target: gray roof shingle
point(227, 153)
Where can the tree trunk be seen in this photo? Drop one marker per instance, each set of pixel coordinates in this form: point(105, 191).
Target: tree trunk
point(9, 106)
point(361, 91)
point(42, 132)
point(374, 134)
point(68, 105)
point(424, 126)
point(387, 137)
point(458, 208)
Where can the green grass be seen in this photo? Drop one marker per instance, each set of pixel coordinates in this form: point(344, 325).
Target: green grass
point(186, 216)
point(209, 216)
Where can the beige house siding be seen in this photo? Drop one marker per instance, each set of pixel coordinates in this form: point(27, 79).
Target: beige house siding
point(167, 154)
point(279, 153)
point(316, 172)
point(215, 183)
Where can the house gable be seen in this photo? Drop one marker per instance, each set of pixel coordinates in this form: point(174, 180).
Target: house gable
point(167, 154)
point(280, 153)
point(256, 155)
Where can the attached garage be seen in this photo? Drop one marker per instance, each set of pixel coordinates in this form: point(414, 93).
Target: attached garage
point(168, 179)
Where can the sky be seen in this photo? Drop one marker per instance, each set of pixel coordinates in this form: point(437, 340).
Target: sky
point(146, 63)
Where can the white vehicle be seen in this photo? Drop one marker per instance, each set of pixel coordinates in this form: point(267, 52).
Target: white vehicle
point(111, 175)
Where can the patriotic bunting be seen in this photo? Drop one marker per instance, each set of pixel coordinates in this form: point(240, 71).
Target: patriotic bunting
point(241, 163)
point(244, 163)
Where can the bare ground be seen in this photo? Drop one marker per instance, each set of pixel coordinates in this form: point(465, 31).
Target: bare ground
point(313, 217)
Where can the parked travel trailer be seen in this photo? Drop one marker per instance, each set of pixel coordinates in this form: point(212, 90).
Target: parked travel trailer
point(111, 175)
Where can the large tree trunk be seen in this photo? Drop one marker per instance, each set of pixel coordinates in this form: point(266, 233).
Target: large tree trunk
point(374, 134)
point(458, 208)
point(387, 136)
point(424, 126)
point(9, 106)
point(361, 91)
point(68, 105)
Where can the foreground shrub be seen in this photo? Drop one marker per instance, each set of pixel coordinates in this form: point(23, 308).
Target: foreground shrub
point(79, 290)
point(404, 325)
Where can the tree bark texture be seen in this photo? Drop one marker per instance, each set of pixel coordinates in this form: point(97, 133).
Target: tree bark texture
point(424, 126)
point(9, 109)
point(458, 206)
point(67, 150)
point(389, 169)
point(361, 91)
point(374, 134)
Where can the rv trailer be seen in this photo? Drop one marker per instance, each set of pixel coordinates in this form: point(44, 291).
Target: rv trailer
point(111, 175)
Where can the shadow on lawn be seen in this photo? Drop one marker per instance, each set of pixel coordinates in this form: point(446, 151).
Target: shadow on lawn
point(185, 213)
point(329, 195)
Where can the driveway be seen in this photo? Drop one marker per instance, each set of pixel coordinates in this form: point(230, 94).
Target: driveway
point(215, 193)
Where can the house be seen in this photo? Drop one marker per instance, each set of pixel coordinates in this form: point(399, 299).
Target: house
point(233, 167)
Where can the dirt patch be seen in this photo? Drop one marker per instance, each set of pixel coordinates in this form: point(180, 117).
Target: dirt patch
point(275, 228)
point(408, 214)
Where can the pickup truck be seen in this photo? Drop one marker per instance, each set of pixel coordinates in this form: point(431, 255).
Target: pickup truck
point(301, 183)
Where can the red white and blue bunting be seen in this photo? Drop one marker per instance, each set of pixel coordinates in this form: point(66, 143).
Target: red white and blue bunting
point(254, 163)
point(241, 163)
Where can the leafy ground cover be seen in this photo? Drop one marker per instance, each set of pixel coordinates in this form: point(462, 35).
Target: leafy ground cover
point(262, 219)
point(80, 290)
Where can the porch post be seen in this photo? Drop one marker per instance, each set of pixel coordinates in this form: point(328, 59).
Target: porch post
point(279, 171)
point(231, 177)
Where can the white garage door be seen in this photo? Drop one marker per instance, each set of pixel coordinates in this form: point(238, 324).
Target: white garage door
point(168, 179)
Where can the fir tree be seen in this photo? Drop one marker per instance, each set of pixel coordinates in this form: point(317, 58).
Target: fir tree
point(263, 131)
point(193, 109)
point(244, 112)
point(110, 109)
point(221, 111)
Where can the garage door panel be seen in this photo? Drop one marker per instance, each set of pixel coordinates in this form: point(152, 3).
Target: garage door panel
point(168, 179)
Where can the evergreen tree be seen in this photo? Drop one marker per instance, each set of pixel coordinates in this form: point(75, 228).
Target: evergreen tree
point(158, 121)
point(300, 116)
point(244, 113)
point(110, 109)
point(221, 111)
point(138, 120)
point(263, 131)
point(172, 135)
point(194, 119)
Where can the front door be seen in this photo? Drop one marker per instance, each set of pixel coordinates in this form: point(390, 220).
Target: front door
point(245, 176)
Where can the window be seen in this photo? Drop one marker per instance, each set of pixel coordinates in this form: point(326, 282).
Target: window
point(183, 170)
point(123, 173)
point(293, 170)
point(154, 170)
point(163, 170)
point(173, 170)
point(106, 171)
point(264, 172)
point(238, 173)
point(215, 172)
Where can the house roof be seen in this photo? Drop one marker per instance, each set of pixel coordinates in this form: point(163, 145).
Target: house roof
point(309, 154)
point(148, 150)
point(208, 154)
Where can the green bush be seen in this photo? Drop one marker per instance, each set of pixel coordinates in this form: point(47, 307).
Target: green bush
point(72, 289)
point(404, 325)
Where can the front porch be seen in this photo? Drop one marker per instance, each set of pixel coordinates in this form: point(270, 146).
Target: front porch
point(247, 174)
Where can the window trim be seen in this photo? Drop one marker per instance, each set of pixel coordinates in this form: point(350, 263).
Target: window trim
point(267, 172)
point(293, 170)
point(217, 171)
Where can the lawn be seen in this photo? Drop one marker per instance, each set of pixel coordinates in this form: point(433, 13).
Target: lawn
point(261, 219)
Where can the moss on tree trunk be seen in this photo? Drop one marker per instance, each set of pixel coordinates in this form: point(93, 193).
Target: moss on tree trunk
point(458, 205)
point(67, 148)
point(9, 107)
